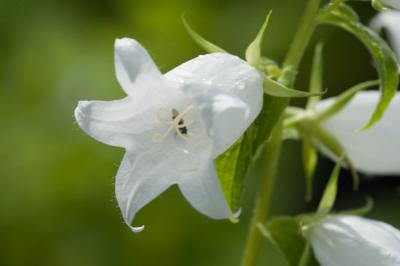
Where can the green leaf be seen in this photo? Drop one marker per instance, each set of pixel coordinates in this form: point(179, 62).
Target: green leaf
point(232, 165)
point(344, 10)
point(316, 76)
point(343, 99)
point(203, 43)
point(330, 142)
point(276, 89)
point(329, 196)
point(253, 51)
point(384, 57)
point(310, 158)
point(285, 234)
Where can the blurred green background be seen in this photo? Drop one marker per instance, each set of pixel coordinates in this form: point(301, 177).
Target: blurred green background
point(57, 203)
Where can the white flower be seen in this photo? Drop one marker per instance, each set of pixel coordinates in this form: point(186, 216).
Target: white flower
point(389, 21)
point(395, 4)
point(173, 126)
point(376, 150)
point(345, 240)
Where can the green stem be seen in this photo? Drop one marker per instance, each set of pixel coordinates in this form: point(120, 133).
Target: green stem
point(273, 147)
point(303, 35)
point(272, 151)
point(305, 257)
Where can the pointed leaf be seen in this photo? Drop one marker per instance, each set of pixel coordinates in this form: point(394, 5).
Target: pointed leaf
point(316, 76)
point(329, 142)
point(329, 196)
point(384, 57)
point(203, 43)
point(309, 163)
point(343, 99)
point(253, 51)
point(361, 211)
point(276, 89)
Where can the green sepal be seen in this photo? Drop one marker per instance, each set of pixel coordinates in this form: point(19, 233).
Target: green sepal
point(328, 198)
point(378, 6)
point(343, 99)
point(369, 204)
point(316, 76)
point(203, 43)
point(270, 68)
point(253, 51)
point(380, 51)
point(284, 233)
point(310, 158)
point(291, 133)
point(274, 88)
point(330, 142)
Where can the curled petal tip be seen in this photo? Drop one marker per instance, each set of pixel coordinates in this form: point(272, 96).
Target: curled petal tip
point(82, 104)
point(125, 41)
point(237, 214)
point(137, 229)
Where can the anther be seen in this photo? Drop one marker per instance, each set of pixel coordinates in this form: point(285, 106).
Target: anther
point(177, 123)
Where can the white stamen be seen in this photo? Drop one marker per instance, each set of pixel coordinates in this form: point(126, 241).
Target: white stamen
point(174, 124)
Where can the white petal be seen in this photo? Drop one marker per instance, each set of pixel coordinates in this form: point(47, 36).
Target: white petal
point(133, 121)
point(137, 184)
point(122, 123)
point(350, 240)
point(142, 176)
point(135, 70)
point(374, 151)
point(107, 121)
point(389, 21)
point(392, 3)
point(203, 190)
point(228, 91)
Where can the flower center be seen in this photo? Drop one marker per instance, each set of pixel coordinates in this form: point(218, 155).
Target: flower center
point(176, 123)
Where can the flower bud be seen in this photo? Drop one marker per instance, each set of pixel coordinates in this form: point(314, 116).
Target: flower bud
point(346, 240)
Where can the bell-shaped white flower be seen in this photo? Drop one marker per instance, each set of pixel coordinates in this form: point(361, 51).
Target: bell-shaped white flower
point(345, 240)
point(395, 4)
point(173, 126)
point(389, 21)
point(373, 151)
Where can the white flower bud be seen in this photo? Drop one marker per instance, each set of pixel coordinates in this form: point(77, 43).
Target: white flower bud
point(345, 240)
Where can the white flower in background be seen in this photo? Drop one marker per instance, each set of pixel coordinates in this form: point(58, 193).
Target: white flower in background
point(376, 150)
point(395, 4)
point(345, 240)
point(389, 21)
point(173, 126)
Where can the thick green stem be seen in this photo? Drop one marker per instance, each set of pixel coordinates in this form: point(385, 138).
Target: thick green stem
point(273, 146)
point(303, 34)
point(272, 151)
